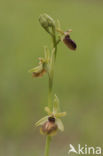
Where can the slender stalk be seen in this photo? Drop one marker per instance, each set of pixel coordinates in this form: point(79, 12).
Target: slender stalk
point(50, 105)
point(54, 41)
point(48, 138)
point(47, 145)
point(50, 92)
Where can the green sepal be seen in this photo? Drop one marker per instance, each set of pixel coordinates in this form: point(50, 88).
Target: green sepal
point(36, 69)
point(61, 114)
point(60, 124)
point(50, 20)
point(47, 110)
point(41, 121)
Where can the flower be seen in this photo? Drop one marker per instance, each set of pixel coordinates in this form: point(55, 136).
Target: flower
point(52, 122)
point(45, 64)
point(40, 70)
point(69, 42)
point(65, 37)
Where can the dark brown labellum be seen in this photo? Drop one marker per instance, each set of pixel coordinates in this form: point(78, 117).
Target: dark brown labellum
point(51, 119)
point(69, 42)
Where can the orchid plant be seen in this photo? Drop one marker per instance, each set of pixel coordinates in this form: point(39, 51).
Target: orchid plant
point(51, 123)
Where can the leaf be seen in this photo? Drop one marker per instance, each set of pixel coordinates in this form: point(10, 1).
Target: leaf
point(62, 114)
point(56, 106)
point(60, 124)
point(41, 121)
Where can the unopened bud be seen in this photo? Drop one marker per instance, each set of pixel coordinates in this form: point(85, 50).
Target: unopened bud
point(46, 21)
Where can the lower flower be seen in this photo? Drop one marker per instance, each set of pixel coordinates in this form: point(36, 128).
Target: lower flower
point(51, 123)
point(49, 127)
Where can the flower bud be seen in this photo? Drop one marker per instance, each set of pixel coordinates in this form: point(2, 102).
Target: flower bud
point(43, 21)
point(46, 21)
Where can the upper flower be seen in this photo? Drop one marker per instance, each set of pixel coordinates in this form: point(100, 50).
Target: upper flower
point(65, 37)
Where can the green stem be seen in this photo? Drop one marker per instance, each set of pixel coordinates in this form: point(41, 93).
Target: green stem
point(54, 41)
point(48, 138)
point(50, 104)
point(47, 145)
point(50, 93)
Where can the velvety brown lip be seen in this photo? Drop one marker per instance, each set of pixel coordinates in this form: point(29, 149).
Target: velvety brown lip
point(69, 42)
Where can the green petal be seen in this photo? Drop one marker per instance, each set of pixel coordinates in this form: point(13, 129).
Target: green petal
point(36, 69)
point(60, 124)
point(41, 121)
point(48, 111)
point(62, 114)
point(56, 107)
